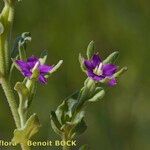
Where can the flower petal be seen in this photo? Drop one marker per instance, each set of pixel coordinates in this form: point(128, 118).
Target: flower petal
point(26, 72)
point(45, 68)
point(88, 64)
point(109, 69)
point(96, 60)
point(94, 76)
point(21, 64)
point(32, 61)
point(25, 69)
point(42, 79)
point(112, 82)
point(98, 78)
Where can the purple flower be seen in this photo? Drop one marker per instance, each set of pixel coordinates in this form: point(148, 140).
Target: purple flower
point(27, 67)
point(98, 71)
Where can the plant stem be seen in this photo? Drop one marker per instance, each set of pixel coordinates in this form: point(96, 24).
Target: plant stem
point(88, 90)
point(25, 146)
point(65, 138)
point(22, 113)
point(11, 100)
point(6, 19)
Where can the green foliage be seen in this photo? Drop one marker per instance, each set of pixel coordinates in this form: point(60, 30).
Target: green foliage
point(120, 72)
point(99, 94)
point(81, 61)
point(1, 28)
point(69, 117)
point(20, 46)
point(84, 147)
point(90, 50)
point(31, 127)
point(111, 58)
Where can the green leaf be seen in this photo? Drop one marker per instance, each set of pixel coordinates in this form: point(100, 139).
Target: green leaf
point(84, 147)
point(55, 123)
point(111, 58)
point(43, 56)
point(71, 103)
point(81, 61)
point(79, 129)
point(100, 92)
point(1, 28)
point(22, 89)
point(61, 111)
point(79, 116)
point(32, 93)
point(31, 127)
point(56, 67)
point(90, 50)
point(20, 45)
point(120, 72)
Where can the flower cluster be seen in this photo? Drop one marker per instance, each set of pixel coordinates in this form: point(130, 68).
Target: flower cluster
point(99, 71)
point(27, 68)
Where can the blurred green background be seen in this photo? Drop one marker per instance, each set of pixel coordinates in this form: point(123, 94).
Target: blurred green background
point(64, 27)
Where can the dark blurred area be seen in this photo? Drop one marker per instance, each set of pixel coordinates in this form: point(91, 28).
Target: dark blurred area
point(65, 27)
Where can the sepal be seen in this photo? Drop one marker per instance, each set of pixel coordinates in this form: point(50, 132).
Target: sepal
point(56, 67)
point(43, 57)
point(90, 50)
point(111, 58)
point(81, 61)
point(120, 72)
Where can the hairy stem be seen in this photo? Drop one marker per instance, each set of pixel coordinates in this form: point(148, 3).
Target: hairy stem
point(6, 19)
point(11, 100)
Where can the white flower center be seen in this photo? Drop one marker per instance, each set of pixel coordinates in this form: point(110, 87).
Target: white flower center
point(98, 70)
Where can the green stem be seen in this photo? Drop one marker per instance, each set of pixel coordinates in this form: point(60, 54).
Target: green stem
point(6, 19)
point(22, 112)
point(87, 92)
point(25, 146)
point(65, 138)
point(11, 100)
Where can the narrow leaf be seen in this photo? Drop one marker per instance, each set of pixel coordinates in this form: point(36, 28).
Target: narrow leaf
point(90, 50)
point(99, 95)
point(111, 58)
point(43, 56)
point(120, 72)
point(81, 61)
point(84, 147)
point(55, 123)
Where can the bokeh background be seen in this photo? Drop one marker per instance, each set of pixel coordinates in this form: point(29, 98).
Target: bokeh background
point(64, 27)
